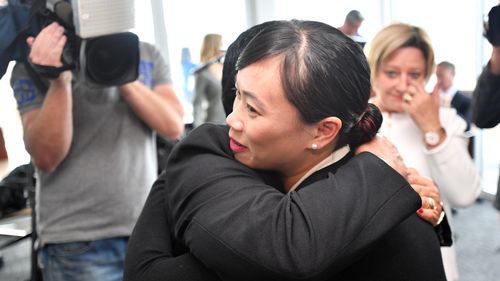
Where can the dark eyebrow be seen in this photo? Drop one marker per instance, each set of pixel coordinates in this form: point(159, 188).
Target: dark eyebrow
point(252, 97)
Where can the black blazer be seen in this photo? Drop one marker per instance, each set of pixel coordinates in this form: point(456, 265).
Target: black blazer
point(486, 100)
point(463, 105)
point(230, 218)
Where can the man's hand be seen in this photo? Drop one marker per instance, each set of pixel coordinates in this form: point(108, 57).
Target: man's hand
point(47, 47)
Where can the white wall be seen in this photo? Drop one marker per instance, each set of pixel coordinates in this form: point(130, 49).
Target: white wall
point(454, 26)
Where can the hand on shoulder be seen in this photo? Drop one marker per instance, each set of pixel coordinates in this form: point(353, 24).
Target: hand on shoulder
point(381, 147)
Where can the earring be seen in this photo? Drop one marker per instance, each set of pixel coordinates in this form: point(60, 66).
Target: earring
point(314, 147)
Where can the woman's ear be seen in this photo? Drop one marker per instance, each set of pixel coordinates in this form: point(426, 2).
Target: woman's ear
point(327, 131)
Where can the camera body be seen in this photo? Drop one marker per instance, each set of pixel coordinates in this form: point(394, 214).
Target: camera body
point(98, 46)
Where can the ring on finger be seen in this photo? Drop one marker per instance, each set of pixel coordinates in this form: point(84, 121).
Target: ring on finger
point(431, 202)
point(407, 98)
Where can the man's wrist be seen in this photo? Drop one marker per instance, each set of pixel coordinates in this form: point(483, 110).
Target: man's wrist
point(63, 79)
point(494, 63)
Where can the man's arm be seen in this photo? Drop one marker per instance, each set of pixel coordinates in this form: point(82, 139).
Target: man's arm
point(48, 131)
point(152, 96)
point(486, 96)
point(494, 65)
point(159, 108)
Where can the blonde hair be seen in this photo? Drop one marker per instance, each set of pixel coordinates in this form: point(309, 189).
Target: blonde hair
point(211, 46)
point(394, 37)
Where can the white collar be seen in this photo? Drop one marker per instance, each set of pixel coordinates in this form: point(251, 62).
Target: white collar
point(334, 157)
point(450, 93)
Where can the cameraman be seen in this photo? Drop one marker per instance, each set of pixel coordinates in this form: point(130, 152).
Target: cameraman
point(95, 153)
point(486, 97)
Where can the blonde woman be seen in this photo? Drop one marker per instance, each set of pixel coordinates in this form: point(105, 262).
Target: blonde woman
point(428, 137)
point(207, 104)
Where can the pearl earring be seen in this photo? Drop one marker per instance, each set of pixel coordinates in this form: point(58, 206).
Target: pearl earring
point(314, 146)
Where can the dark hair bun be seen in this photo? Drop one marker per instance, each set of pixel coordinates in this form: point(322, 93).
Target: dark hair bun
point(365, 129)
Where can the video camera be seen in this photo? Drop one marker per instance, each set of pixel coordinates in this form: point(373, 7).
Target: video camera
point(98, 46)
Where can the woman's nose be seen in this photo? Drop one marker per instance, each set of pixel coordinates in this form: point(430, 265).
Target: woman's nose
point(233, 121)
point(403, 83)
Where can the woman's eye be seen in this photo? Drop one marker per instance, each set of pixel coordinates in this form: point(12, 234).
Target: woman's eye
point(251, 109)
point(415, 75)
point(391, 74)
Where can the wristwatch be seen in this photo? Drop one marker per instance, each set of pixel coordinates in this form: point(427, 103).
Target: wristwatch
point(431, 138)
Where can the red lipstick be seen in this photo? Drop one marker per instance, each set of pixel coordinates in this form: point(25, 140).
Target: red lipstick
point(236, 146)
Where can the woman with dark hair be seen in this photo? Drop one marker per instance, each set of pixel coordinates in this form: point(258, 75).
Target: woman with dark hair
point(229, 94)
point(279, 194)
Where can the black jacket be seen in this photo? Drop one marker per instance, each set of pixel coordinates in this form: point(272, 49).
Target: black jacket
point(462, 103)
point(486, 100)
point(230, 217)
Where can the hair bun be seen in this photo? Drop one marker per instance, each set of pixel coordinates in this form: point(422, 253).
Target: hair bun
point(366, 127)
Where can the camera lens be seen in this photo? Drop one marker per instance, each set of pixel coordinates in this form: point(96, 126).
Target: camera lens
point(112, 59)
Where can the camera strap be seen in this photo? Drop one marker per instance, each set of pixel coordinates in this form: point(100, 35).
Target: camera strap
point(50, 72)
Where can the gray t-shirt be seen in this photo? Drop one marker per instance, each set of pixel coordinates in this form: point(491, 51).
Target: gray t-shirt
point(99, 189)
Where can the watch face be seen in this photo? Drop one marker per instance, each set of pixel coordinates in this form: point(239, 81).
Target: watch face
point(431, 138)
